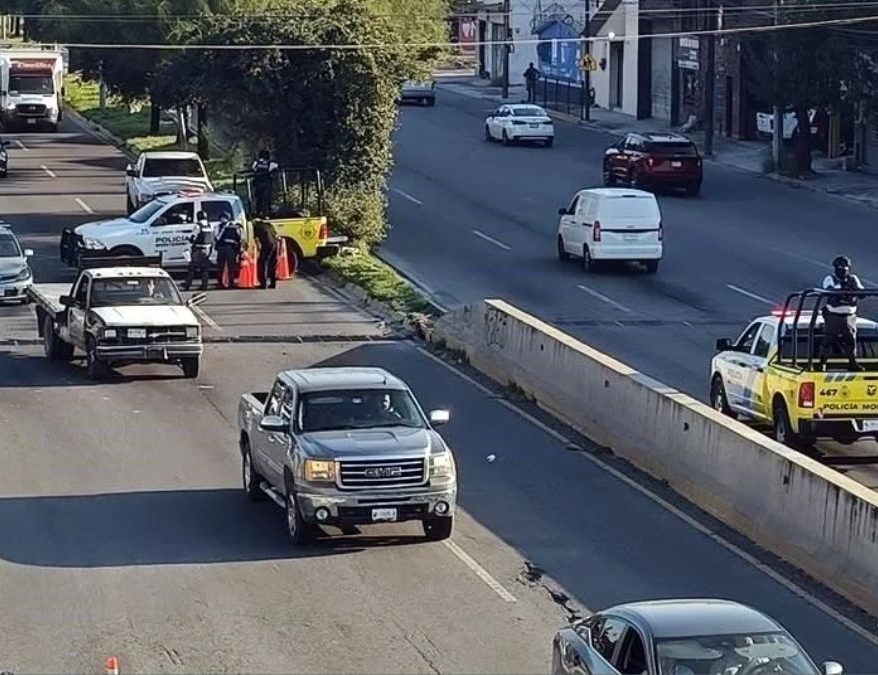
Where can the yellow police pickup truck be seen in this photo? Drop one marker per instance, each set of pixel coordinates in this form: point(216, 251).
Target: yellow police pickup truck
point(770, 374)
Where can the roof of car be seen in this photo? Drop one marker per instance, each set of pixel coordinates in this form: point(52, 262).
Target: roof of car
point(618, 192)
point(318, 379)
point(523, 105)
point(169, 154)
point(664, 137)
point(694, 618)
point(136, 272)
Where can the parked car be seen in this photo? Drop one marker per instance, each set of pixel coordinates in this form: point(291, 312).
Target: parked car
point(671, 637)
point(520, 122)
point(15, 273)
point(419, 92)
point(619, 224)
point(654, 160)
point(163, 173)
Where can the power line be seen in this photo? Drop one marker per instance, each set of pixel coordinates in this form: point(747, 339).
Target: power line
point(426, 45)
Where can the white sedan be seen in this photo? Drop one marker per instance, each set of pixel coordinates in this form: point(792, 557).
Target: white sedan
point(520, 122)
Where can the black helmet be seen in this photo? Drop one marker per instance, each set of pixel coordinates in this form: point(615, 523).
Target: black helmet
point(842, 266)
point(264, 154)
point(201, 216)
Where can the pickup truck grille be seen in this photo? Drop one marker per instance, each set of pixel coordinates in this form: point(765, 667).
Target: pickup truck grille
point(154, 336)
point(366, 474)
point(31, 109)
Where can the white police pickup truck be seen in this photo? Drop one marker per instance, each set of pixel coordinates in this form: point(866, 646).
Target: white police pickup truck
point(162, 227)
point(162, 173)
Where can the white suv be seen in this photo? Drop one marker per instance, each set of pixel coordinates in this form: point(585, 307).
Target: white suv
point(162, 173)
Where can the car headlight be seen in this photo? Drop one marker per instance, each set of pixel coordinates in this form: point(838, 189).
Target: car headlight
point(11, 106)
point(191, 331)
point(319, 470)
point(109, 333)
point(91, 243)
point(441, 466)
point(24, 275)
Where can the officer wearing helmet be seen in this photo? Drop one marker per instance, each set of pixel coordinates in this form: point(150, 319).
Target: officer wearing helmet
point(263, 170)
point(202, 240)
point(840, 314)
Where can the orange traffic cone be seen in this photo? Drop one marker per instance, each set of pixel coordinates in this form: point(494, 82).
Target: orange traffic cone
point(224, 277)
point(247, 271)
point(111, 665)
point(283, 263)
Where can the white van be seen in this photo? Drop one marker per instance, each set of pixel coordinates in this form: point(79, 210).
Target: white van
point(611, 224)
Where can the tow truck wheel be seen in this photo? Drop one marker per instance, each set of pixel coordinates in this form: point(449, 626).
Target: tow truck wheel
point(782, 430)
point(488, 136)
point(506, 139)
point(190, 367)
point(249, 477)
point(563, 255)
point(718, 399)
point(298, 530)
point(50, 340)
point(94, 368)
point(437, 529)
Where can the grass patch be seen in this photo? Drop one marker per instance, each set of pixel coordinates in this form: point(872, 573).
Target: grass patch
point(380, 281)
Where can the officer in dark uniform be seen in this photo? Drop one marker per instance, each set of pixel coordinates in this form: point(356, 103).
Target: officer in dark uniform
point(265, 235)
point(840, 314)
point(263, 170)
point(202, 240)
point(228, 248)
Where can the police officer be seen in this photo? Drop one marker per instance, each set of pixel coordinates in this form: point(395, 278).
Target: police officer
point(263, 168)
point(265, 235)
point(228, 248)
point(840, 314)
point(202, 240)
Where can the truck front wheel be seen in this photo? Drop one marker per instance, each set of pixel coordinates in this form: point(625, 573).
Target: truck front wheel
point(437, 529)
point(94, 368)
point(190, 367)
point(298, 530)
point(51, 342)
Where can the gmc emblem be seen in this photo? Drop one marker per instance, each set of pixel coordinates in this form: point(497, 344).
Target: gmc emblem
point(384, 472)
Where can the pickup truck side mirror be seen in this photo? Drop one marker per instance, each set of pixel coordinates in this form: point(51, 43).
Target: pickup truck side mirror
point(724, 345)
point(66, 301)
point(274, 424)
point(562, 211)
point(28, 253)
point(832, 668)
point(439, 417)
point(130, 172)
point(196, 299)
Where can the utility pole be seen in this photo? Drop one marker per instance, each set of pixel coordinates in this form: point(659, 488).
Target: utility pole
point(507, 34)
point(777, 137)
point(587, 32)
point(710, 80)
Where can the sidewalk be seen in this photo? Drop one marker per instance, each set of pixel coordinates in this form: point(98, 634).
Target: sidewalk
point(748, 156)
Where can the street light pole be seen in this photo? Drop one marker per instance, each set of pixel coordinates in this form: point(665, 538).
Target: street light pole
point(506, 36)
point(777, 137)
point(588, 52)
point(710, 77)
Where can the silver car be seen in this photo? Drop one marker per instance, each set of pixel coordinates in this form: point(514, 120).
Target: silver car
point(15, 273)
point(681, 637)
point(419, 92)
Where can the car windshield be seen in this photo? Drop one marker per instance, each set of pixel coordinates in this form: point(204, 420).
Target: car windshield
point(157, 168)
point(757, 653)
point(358, 409)
point(9, 247)
point(116, 291)
point(146, 212)
point(31, 84)
point(668, 149)
point(529, 111)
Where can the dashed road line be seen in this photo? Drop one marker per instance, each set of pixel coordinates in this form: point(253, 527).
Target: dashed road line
point(791, 586)
point(406, 195)
point(490, 239)
point(480, 571)
point(48, 171)
point(21, 145)
point(752, 296)
point(85, 207)
point(603, 298)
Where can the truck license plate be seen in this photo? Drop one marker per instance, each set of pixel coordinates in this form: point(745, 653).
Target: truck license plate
point(870, 425)
point(676, 165)
point(137, 332)
point(383, 514)
point(9, 291)
point(31, 120)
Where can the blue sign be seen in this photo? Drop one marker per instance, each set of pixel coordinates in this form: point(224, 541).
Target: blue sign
point(559, 58)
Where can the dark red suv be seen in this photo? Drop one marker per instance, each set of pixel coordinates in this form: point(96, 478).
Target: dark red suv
point(654, 160)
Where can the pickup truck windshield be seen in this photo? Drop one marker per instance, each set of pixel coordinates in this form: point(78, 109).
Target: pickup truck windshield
point(358, 409)
point(115, 292)
point(157, 168)
point(9, 247)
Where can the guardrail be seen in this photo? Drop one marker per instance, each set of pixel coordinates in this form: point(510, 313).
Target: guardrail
point(818, 519)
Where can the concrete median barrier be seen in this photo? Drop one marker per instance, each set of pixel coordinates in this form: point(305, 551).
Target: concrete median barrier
point(816, 518)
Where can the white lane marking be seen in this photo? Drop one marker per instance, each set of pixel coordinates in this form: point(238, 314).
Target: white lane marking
point(600, 296)
point(670, 508)
point(85, 207)
point(406, 195)
point(48, 171)
point(480, 571)
point(206, 317)
point(21, 145)
point(490, 239)
point(753, 296)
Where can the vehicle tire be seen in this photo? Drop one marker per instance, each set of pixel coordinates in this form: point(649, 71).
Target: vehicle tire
point(298, 530)
point(51, 343)
point(506, 139)
point(609, 178)
point(718, 399)
point(94, 368)
point(550, 142)
point(782, 430)
point(588, 263)
point(488, 136)
point(122, 251)
point(563, 255)
point(190, 365)
point(250, 478)
point(651, 266)
point(636, 181)
point(438, 529)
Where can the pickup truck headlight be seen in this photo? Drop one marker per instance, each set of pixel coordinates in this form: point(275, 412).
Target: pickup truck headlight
point(191, 331)
point(109, 333)
point(319, 470)
point(442, 466)
point(24, 275)
point(91, 243)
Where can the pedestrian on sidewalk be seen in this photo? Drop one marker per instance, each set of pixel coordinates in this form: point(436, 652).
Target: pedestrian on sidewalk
point(265, 235)
point(531, 78)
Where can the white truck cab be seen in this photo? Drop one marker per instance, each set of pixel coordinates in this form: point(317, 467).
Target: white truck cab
point(161, 173)
point(31, 88)
point(163, 226)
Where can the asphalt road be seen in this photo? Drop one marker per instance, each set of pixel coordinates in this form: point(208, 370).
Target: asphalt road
point(472, 219)
point(125, 532)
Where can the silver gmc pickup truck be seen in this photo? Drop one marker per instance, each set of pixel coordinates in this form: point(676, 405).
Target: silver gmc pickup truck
point(346, 447)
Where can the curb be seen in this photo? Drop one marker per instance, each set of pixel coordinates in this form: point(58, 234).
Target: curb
point(99, 132)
